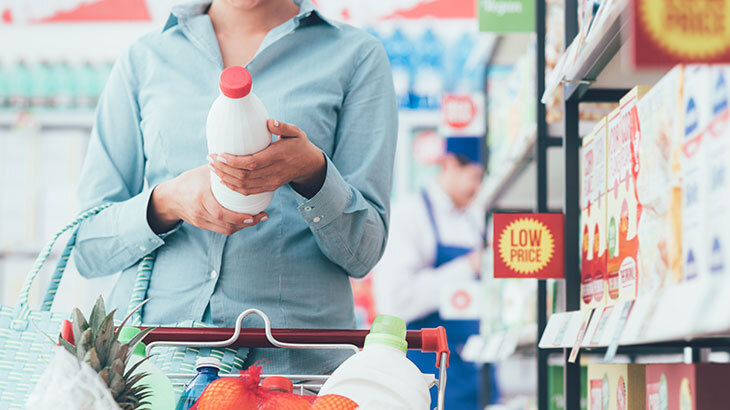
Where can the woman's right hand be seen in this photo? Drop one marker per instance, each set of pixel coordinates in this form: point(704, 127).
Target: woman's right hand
point(188, 197)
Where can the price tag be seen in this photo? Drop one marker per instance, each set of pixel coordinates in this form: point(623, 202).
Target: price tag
point(598, 326)
point(581, 334)
point(623, 309)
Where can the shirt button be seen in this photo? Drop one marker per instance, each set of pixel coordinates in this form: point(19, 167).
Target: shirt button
point(213, 274)
point(307, 208)
point(142, 248)
point(316, 219)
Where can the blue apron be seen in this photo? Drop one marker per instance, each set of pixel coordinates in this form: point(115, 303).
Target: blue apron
point(463, 378)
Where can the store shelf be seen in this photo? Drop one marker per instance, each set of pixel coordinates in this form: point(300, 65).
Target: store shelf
point(498, 181)
point(81, 119)
point(595, 57)
point(686, 314)
point(501, 345)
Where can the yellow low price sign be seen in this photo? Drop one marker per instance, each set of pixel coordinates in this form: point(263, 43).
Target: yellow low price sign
point(669, 32)
point(528, 246)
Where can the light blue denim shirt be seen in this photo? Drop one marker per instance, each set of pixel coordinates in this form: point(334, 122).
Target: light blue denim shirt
point(331, 80)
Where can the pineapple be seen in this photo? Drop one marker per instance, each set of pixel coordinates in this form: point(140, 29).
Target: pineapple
point(96, 343)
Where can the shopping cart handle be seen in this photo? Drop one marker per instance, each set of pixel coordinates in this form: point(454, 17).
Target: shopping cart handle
point(434, 341)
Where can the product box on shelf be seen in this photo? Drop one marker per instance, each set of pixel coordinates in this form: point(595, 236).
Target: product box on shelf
point(716, 153)
point(696, 108)
point(593, 217)
point(555, 387)
point(658, 184)
point(624, 212)
point(680, 386)
point(616, 386)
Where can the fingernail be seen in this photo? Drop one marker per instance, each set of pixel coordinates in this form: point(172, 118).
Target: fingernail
point(209, 158)
point(264, 218)
point(248, 221)
point(221, 159)
point(276, 123)
point(211, 168)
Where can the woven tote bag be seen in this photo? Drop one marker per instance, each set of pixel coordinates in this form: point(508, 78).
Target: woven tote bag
point(178, 360)
point(25, 350)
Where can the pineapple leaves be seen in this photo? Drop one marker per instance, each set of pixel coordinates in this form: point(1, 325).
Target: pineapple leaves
point(98, 313)
point(131, 370)
point(65, 343)
point(97, 344)
point(79, 323)
point(105, 338)
point(138, 338)
point(129, 315)
point(84, 344)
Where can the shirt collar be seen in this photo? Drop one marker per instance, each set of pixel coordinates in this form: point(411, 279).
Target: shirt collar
point(182, 12)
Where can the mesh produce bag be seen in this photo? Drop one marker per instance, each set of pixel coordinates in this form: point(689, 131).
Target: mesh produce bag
point(69, 384)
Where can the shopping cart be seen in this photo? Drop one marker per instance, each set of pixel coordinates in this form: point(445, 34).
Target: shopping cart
point(426, 340)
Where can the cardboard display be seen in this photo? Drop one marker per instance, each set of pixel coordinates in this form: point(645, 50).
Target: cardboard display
point(616, 386)
point(695, 117)
point(680, 386)
point(715, 157)
point(658, 184)
point(593, 217)
point(624, 212)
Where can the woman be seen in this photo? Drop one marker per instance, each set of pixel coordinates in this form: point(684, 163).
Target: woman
point(331, 172)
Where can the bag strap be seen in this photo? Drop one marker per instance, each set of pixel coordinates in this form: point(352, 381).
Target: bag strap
point(139, 290)
point(22, 311)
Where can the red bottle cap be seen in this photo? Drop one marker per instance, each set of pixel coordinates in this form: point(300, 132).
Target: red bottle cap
point(278, 383)
point(235, 82)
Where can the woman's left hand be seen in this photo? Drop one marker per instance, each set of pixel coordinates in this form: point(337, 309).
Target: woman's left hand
point(292, 159)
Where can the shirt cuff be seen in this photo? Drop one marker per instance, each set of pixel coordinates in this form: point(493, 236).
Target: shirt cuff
point(327, 204)
point(134, 229)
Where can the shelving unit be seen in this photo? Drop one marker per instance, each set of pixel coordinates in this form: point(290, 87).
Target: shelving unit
point(678, 319)
point(48, 120)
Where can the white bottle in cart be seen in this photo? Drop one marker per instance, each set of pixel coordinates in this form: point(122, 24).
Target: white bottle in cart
point(381, 376)
point(237, 125)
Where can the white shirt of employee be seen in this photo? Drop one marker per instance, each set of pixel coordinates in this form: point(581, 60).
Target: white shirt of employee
point(404, 282)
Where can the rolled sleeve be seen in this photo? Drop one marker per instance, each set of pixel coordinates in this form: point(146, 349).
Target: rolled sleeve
point(119, 236)
point(134, 229)
point(327, 204)
point(349, 214)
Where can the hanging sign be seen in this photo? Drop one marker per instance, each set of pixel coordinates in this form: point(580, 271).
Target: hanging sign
point(528, 246)
point(506, 16)
point(669, 32)
point(463, 115)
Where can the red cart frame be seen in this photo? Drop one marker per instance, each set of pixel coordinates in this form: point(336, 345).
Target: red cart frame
point(425, 340)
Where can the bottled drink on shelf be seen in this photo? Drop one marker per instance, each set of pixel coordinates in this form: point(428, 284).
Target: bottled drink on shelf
point(20, 85)
point(399, 52)
point(66, 85)
point(428, 84)
point(237, 125)
point(207, 368)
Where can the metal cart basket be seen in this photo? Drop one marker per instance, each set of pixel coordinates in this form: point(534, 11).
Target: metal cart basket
point(425, 340)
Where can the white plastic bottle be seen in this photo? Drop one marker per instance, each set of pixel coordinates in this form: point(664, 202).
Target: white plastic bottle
point(162, 395)
point(237, 125)
point(381, 376)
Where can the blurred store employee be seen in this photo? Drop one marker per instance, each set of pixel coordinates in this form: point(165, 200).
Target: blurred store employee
point(329, 91)
point(435, 239)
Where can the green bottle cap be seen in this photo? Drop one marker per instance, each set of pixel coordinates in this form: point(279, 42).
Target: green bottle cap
point(127, 334)
point(388, 330)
